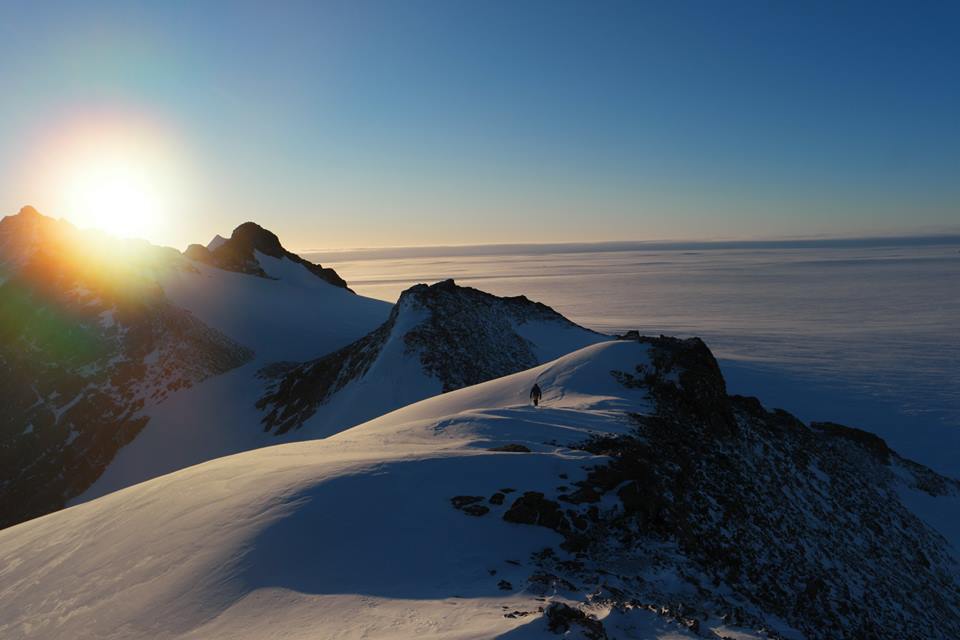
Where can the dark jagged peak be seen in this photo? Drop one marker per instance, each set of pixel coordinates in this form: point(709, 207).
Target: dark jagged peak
point(448, 291)
point(26, 218)
point(239, 253)
point(21, 235)
point(438, 338)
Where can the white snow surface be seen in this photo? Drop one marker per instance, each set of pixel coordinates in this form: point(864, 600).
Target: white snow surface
point(296, 316)
point(350, 536)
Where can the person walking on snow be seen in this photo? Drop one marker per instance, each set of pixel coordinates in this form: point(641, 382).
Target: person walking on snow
point(535, 394)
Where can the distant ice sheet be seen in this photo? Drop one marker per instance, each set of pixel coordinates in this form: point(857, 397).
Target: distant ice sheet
point(864, 332)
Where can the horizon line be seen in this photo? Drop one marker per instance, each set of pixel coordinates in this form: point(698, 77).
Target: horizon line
point(610, 246)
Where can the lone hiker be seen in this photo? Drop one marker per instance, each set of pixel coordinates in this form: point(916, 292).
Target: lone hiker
point(535, 394)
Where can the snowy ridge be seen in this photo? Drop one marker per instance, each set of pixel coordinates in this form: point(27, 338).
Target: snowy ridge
point(639, 501)
point(376, 373)
point(438, 338)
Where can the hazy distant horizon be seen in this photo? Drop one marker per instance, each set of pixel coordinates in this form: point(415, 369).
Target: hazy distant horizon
point(535, 248)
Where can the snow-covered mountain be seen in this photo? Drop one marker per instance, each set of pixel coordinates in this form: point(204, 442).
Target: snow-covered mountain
point(88, 342)
point(265, 308)
point(98, 334)
point(281, 306)
point(438, 338)
point(245, 250)
point(639, 501)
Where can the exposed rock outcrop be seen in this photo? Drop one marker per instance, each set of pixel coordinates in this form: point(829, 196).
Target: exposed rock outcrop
point(758, 518)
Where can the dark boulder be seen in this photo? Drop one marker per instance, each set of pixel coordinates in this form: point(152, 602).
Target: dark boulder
point(511, 448)
point(533, 508)
point(459, 502)
point(561, 619)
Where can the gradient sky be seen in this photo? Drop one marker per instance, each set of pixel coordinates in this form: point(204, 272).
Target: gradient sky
point(348, 124)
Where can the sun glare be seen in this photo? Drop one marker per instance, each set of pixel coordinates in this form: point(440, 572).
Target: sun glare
point(115, 198)
point(122, 173)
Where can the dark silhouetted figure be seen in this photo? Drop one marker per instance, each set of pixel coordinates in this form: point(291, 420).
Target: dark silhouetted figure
point(535, 394)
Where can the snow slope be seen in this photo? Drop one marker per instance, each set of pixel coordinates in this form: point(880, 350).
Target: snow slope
point(358, 535)
point(290, 540)
point(291, 316)
point(219, 417)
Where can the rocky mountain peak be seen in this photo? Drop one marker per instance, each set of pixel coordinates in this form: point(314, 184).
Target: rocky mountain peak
point(239, 253)
point(447, 293)
point(28, 212)
point(250, 236)
point(27, 218)
point(457, 336)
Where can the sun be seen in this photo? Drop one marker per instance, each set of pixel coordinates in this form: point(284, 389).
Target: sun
point(116, 197)
point(124, 172)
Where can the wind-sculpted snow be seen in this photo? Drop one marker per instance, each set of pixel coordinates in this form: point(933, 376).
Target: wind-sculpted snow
point(638, 501)
point(438, 338)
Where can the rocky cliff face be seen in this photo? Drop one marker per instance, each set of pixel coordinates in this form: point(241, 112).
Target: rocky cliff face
point(457, 336)
point(239, 253)
point(717, 510)
point(87, 341)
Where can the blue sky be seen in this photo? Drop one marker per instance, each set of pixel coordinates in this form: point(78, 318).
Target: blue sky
point(344, 124)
